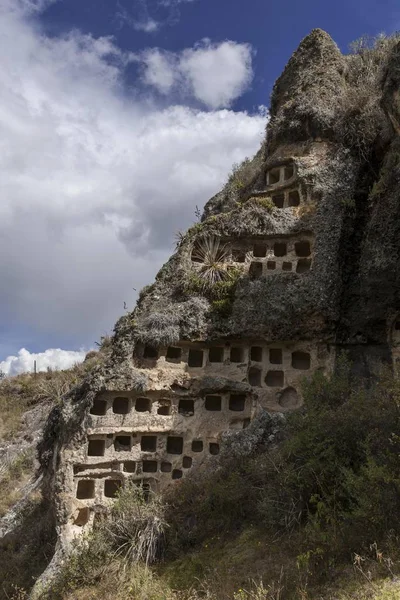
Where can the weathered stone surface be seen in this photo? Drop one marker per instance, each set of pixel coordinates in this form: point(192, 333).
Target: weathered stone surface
point(305, 240)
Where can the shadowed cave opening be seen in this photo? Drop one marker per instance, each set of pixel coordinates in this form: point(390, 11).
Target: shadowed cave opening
point(186, 407)
point(99, 407)
point(278, 200)
point(213, 403)
point(301, 360)
point(275, 356)
point(274, 379)
point(302, 249)
point(85, 489)
point(256, 353)
point(255, 270)
point(280, 249)
point(174, 445)
point(195, 358)
point(216, 354)
point(148, 443)
point(237, 402)
point(122, 443)
point(143, 405)
point(112, 487)
point(236, 354)
point(96, 447)
point(260, 250)
point(197, 446)
point(121, 405)
point(164, 408)
point(294, 198)
point(274, 176)
point(173, 354)
point(149, 466)
point(214, 448)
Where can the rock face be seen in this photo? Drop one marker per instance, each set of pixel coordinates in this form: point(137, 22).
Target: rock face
point(296, 259)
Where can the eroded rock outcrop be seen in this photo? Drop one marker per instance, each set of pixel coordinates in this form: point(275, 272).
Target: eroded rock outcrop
point(294, 260)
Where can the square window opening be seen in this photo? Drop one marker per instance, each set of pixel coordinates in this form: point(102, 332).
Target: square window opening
point(256, 353)
point(177, 474)
point(186, 407)
point(237, 402)
point(280, 249)
point(122, 443)
point(164, 408)
point(148, 443)
point(112, 487)
point(174, 445)
point(216, 354)
point(166, 467)
point(143, 405)
point(294, 198)
point(275, 356)
point(149, 466)
point(197, 446)
point(271, 265)
point(274, 379)
point(236, 354)
point(130, 466)
point(195, 358)
point(214, 448)
point(99, 407)
point(150, 353)
point(260, 250)
point(96, 447)
point(173, 354)
point(85, 489)
point(274, 176)
point(239, 256)
point(121, 405)
point(286, 266)
point(302, 249)
point(301, 360)
point(278, 200)
point(213, 403)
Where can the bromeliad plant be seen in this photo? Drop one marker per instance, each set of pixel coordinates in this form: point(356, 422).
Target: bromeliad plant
point(213, 257)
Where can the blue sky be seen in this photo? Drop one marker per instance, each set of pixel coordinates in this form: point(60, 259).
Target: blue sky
point(274, 28)
point(117, 118)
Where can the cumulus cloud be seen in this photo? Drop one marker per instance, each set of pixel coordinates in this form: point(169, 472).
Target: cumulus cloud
point(217, 73)
point(214, 74)
point(160, 70)
point(50, 359)
point(93, 182)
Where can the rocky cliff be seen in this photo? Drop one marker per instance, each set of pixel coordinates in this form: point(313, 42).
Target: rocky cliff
point(294, 260)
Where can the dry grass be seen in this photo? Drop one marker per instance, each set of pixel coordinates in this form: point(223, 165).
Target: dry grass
point(14, 475)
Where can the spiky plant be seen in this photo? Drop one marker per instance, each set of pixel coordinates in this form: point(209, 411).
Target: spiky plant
point(214, 258)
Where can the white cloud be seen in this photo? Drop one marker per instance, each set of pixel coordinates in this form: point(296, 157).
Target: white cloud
point(160, 70)
point(93, 182)
point(218, 73)
point(214, 74)
point(54, 358)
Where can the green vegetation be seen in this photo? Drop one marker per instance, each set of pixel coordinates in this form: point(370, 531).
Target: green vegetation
point(315, 517)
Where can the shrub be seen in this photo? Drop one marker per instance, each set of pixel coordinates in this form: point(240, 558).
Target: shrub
point(137, 525)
